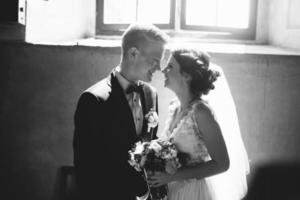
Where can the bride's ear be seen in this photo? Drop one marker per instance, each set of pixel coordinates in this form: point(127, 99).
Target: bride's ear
point(186, 77)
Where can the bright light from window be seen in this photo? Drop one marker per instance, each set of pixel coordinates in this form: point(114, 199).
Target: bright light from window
point(222, 13)
point(154, 11)
point(119, 12)
point(201, 12)
point(126, 12)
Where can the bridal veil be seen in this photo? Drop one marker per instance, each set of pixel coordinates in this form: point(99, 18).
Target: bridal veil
point(232, 184)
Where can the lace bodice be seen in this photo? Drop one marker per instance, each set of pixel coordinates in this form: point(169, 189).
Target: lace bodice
point(186, 134)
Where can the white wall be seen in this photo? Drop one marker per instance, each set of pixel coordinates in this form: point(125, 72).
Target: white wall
point(59, 20)
point(284, 23)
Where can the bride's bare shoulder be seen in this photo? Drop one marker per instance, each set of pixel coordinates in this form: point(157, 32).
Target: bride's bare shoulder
point(203, 108)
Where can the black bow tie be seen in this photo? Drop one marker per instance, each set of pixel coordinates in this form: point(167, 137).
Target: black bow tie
point(134, 88)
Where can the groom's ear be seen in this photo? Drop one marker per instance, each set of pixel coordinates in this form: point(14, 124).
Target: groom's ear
point(132, 53)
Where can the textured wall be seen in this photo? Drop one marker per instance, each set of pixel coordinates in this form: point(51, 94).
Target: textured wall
point(284, 23)
point(40, 85)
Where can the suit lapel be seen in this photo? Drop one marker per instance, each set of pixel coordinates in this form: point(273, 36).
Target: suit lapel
point(122, 106)
point(145, 107)
point(147, 104)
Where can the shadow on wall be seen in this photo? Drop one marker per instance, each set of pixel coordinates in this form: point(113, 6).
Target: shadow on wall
point(65, 185)
point(270, 182)
point(275, 181)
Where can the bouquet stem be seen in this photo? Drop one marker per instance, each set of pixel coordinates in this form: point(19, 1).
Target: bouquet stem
point(158, 193)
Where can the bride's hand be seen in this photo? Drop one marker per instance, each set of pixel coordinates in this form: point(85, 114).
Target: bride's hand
point(159, 179)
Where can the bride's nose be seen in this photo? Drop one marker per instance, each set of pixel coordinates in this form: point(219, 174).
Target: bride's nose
point(164, 71)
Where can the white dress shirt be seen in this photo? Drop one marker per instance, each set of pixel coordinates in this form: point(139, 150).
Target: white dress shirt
point(134, 101)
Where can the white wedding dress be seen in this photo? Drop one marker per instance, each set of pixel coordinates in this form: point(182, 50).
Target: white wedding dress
point(188, 139)
point(186, 135)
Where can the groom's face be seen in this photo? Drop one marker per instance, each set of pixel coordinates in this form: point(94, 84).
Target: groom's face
point(148, 60)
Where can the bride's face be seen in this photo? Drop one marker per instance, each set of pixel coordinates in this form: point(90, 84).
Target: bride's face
point(174, 79)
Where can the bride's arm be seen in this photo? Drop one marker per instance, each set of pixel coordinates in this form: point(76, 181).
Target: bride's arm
point(216, 147)
point(215, 144)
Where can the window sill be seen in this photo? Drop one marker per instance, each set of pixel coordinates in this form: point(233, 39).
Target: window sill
point(209, 45)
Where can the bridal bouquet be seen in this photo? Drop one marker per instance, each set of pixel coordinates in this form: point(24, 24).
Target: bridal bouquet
point(155, 156)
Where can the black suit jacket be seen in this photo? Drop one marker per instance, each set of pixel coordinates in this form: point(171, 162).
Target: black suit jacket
point(104, 133)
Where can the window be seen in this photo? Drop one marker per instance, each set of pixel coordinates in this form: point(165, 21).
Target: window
point(114, 15)
point(232, 19)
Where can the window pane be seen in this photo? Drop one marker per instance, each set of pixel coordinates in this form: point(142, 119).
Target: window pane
point(222, 13)
point(201, 12)
point(154, 11)
point(124, 12)
point(119, 12)
point(233, 13)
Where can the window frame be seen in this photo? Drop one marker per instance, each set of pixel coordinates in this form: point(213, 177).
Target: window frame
point(179, 26)
point(118, 29)
point(220, 32)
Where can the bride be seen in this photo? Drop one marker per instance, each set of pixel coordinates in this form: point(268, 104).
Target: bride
point(205, 132)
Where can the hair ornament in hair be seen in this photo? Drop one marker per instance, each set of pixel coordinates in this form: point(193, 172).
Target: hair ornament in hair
point(188, 54)
point(200, 62)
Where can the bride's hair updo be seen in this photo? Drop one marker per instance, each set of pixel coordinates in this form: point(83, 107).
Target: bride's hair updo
point(196, 64)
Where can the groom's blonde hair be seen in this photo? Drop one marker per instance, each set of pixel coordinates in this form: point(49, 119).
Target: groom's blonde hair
point(139, 35)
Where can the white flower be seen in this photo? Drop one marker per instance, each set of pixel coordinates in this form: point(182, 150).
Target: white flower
point(152, 118)
point(139, 148)
point(155, 146)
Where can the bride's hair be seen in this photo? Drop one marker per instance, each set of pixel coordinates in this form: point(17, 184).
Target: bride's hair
point(196, 64)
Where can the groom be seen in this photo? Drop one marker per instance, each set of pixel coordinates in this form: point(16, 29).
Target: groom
point(110, 118)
